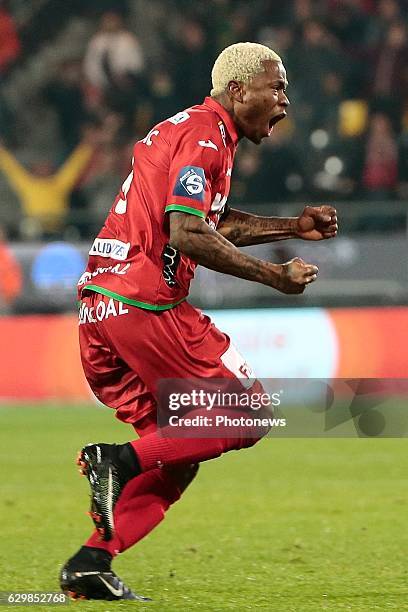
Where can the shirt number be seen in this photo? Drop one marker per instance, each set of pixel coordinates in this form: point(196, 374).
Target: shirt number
point(218, 204)
point(121, 205)
point(147, 140)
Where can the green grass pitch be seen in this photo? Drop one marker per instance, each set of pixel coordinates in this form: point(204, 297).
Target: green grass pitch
point(290, 525)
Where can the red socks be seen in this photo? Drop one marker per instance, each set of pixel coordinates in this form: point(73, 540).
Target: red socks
point(161, 448)
point(143, 504)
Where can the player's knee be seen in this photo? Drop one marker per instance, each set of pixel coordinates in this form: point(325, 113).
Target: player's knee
point(256, 433)
point(248, 442)
point(251, 437)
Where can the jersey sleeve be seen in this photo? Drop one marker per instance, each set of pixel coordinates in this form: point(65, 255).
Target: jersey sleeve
point(195, 164)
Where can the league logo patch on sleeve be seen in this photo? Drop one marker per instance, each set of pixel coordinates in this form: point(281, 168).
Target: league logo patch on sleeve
point(190, 183)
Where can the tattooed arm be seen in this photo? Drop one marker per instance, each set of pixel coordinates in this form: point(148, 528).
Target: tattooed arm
point(192, 236)
point(244, 229)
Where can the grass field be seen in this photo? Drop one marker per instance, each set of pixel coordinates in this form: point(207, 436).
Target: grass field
point(291, 525)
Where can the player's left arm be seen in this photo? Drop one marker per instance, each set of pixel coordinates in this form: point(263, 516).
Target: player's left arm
point(245, 229)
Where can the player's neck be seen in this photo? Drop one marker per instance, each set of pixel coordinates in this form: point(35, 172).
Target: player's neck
point(226, 102)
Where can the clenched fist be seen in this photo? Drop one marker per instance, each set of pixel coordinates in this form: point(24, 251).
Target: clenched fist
point(295, 275)
point(317, 223)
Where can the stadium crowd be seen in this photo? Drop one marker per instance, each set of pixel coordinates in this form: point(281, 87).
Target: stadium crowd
point(66, 139)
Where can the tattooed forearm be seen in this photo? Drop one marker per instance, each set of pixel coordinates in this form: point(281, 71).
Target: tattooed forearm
point(244, 229)
point(193, 237)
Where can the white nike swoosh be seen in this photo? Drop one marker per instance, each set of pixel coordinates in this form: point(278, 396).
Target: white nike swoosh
point(116, 592)
point(208, 143)
point(229, 172)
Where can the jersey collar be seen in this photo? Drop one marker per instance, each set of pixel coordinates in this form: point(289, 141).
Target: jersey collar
point(225, 116)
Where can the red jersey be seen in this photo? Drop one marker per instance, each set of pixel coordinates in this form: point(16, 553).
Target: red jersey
point(183, 164)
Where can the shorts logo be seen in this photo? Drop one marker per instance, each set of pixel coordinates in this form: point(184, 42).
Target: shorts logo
point(235, 363)
point(112, 248)
point(190, 183)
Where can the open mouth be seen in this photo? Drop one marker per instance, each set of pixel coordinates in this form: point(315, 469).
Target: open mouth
point(274, 120)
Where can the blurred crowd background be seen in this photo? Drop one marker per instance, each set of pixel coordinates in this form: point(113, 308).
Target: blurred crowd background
point(81, 81)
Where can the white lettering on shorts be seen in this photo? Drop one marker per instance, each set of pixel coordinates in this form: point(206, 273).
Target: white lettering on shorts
point(102, 311)
point(235, 363)
point(112, 248)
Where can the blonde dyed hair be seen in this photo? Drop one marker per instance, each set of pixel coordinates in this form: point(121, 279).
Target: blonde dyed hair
point(239, 62)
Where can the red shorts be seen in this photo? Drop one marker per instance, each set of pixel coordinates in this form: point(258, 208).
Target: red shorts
point(126, 350)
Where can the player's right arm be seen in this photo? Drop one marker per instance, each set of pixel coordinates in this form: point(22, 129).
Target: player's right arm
point(192, 236)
